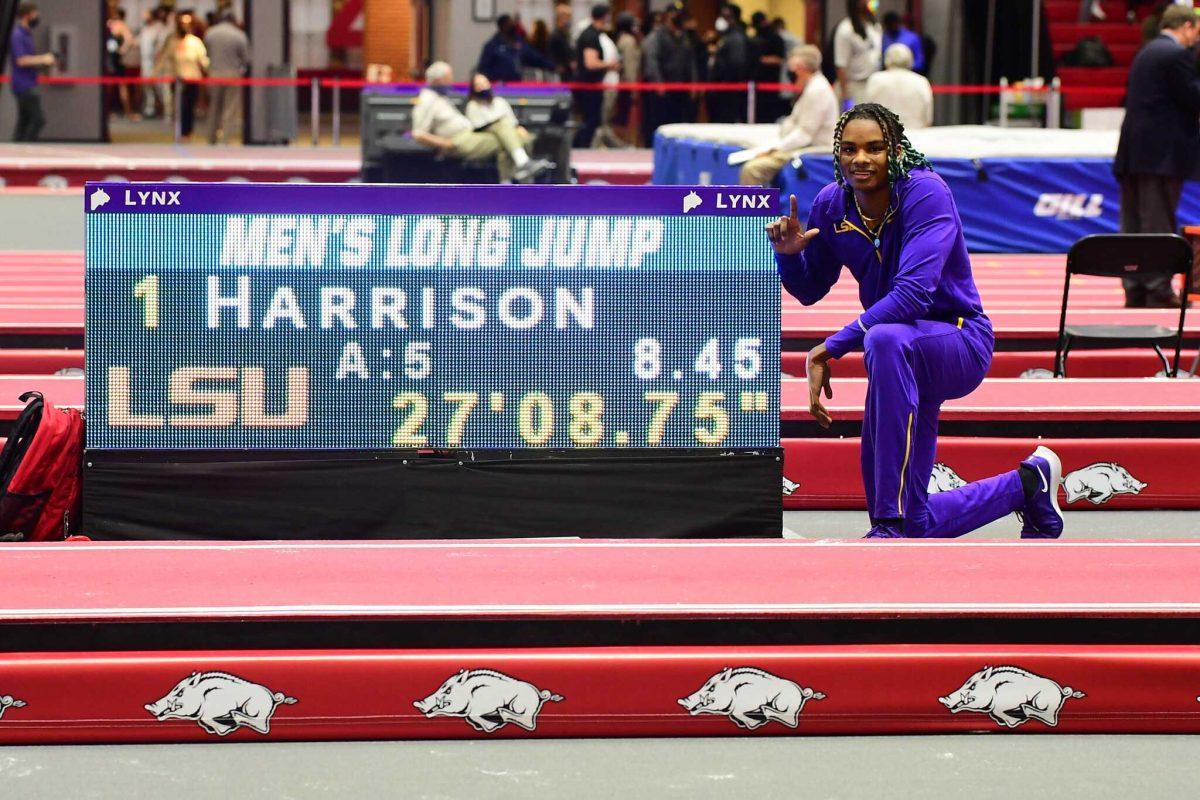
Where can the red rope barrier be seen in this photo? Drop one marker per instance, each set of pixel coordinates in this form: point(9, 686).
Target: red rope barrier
point(640, 86)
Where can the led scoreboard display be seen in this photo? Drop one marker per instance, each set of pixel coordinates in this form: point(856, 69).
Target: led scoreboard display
point(319, 317)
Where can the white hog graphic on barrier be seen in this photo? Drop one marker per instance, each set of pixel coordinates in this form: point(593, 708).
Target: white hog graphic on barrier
point(220, 703)
point(487, 700)
point(1037, 374)
point(789, 487)
point(750, 698)
point(1011, 696)
point(1099, 482)
point(7, 702)
point(943, 479)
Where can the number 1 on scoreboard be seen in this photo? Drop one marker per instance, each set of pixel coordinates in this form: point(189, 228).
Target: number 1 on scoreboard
point(147, 291)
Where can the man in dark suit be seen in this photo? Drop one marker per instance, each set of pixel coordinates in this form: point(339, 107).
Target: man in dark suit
point(1160, 142)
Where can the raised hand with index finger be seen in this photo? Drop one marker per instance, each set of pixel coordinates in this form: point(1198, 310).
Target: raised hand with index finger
point(787, 235)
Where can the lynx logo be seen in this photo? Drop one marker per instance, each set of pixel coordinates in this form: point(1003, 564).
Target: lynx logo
point(1069, 206)
point(750, 698)
point(137, 197)
point(7, 702)
point(98, 199)
point(743, 201)
point(1011, 696)
point(1098, 483)
point(487, 700)
point(691, 200)
point(220, 703)
point(944, 479)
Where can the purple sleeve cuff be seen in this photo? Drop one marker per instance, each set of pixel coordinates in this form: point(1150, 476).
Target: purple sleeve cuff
point(847, 339)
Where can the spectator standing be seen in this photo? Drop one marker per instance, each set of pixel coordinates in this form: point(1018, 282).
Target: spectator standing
point(1160, 141)
point(150, 41)
point(629, 50)
point(770, 56)
point(667, 57)
point(26, 61)
point(229, 57)
point(901, 90)
point(561, 44)
point(118, 39)
point(186, 61)
point(506, 53)
point(810, 124)
point(790, 43)
point(857, 50)
point(731, 64)
point(594, 64)
point(895, 32)
point(437, 123)
point(539, 38)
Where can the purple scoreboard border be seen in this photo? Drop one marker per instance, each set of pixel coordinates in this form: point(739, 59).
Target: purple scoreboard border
point(309, 198)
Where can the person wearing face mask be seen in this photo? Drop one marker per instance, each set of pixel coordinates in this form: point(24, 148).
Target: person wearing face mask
point(438, 124)
point(892, 222)
point(730, 64)
point(25, 64)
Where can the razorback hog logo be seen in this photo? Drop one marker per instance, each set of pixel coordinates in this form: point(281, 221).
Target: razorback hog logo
point(1011, 696)
point(943, 479)
point(220, 703)
point(1099, 482)
point(1037, 374)
point(789, 487)
point(8, 701)
point(487, 700)
point(750, 698)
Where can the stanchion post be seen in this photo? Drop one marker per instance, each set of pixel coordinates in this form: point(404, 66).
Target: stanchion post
point(750, 92)
point(178, 98)
point(337, 112)
point(315, 111)
point(1004, 102)
point(1054, 105)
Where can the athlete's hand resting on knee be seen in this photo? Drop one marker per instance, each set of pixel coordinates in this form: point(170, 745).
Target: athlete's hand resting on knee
point(819, 373)
point(787, 235)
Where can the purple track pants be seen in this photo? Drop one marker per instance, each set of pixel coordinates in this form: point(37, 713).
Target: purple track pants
point(912, 369)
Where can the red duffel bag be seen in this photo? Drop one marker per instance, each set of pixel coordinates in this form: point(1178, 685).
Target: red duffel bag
point(41, 473)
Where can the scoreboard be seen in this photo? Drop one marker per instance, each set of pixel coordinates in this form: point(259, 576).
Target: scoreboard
point(355, 317)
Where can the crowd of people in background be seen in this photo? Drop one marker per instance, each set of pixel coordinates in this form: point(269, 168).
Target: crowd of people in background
point(179, 43)
point(668, 47)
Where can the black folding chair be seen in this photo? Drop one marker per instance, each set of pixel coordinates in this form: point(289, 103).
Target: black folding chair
point(1115, 256)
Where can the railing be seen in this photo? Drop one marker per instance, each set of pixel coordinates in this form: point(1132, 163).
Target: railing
point(1007, 93)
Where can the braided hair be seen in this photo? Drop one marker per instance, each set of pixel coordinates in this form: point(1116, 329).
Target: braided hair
point(902, 156)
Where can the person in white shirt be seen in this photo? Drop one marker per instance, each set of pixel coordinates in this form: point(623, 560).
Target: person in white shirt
point(437, 123)
point(150, 41)
point(810, 124)
point(857, 49)
point(901, 90)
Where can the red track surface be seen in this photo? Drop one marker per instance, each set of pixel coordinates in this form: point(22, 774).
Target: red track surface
point(28, 164)
point(1010, 364)
point(595, 579)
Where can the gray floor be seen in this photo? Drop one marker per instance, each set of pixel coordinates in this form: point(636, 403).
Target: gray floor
point(977, 767)
point(1079, 525)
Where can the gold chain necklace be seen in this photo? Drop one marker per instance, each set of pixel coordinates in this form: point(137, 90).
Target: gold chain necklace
point(868, 220)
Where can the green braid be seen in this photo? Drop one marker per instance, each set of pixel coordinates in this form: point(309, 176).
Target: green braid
point(893, 137)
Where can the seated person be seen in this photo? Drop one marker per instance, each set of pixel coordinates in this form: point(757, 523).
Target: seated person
point(437, 123)
point(483, 107)
point(904, 92)
point(810, 124)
